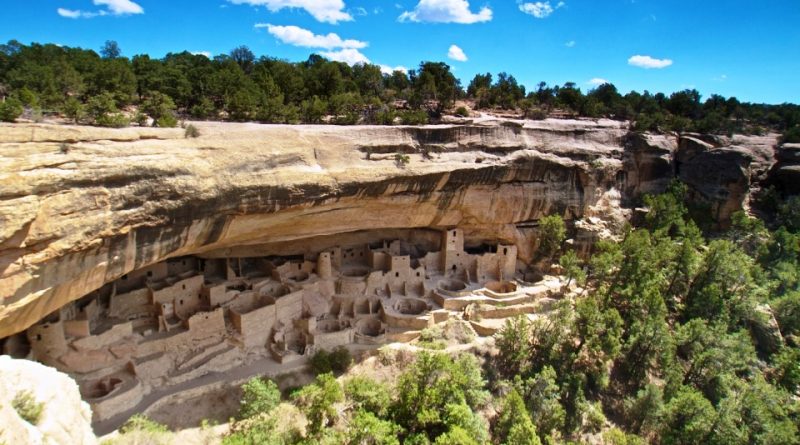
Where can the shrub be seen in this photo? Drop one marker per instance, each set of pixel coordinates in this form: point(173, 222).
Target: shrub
point(36, 115)
point(141, 430)
point(10, 110)
point(349, 118)
point(401, 160)
point(260, 430)
point(385, 117)
point(317, 401)
point(140, 119)
point(368, 395)
point(514, 424)
point(536, 114)
point(258, 396)
point(64, 148)
point(140, 422)
point(366, 428)
point(791, 135)
point(338, 360)
point(117, 120)
point(27, 407)
point(73, 109)
point(417, 117)
point(191, 131)
point(166, 121)
point(161, 108)
point(552, 234)
point(462, 112)
point(203, 109)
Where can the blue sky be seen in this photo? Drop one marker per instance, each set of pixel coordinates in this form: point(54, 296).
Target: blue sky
point(735, 48)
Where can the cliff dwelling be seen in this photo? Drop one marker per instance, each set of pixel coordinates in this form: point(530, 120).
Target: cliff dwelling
point(175, 321)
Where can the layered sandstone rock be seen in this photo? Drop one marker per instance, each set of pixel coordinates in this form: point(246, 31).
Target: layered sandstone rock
point(786, 172)
point(82, 206)
point(65, 419)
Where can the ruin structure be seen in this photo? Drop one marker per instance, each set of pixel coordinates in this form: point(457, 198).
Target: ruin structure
point(179, 319)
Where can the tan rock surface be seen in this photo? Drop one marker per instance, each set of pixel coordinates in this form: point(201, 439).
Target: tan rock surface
point(65, 418)
point(118, 200)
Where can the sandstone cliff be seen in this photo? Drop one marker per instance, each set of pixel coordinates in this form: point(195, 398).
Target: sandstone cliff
point(65, 419)
point(82, 206)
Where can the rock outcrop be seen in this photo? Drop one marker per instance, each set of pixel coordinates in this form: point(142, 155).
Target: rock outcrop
point(786, 172)
point(64, 419)
point(81, 206)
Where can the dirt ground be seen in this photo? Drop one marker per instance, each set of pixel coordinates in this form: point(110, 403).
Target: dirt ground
point(216, 406)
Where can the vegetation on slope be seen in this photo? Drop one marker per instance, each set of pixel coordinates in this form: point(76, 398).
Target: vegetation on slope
point(96, 88)
point(680, 338)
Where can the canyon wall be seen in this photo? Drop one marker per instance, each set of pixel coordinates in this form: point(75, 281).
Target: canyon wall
point(83, 206)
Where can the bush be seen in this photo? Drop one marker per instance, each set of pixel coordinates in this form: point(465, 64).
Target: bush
point(103, 110)
point(418, 117)
point(552, 233)
point(140, 119)
point(366, 428)
point(167, 121)
point(258, 396)
point(401, 160)
point(260, 430)
point(317, 401)
point(73, 109)
point(27, 407)
point(368, 395)
point(536, 114)
point(385, 117)
point(139, 430)
point(202, 110)
point(191, 131)
point(140, 422)
point(338, 360)
point(462, 112)
point(117, 120)
point(791, 136)
point(10, 110)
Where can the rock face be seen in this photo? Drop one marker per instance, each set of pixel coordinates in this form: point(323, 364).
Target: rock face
point(65, 419)
point(81, 206)
point(786, 172)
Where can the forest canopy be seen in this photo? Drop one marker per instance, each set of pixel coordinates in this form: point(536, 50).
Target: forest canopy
point(109, 89)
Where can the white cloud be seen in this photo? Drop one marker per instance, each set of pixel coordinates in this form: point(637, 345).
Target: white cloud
point(69, 13)
point(457, 53)
point(386, 69)
point(296, 36)
point(113, 7)
point(329, 11)
point(540, 10)
point(720, 78)
point(648, 62)
point(446, 11)
point(120, 7)
point(350, 56)
point(597, 81)
point(202, 53)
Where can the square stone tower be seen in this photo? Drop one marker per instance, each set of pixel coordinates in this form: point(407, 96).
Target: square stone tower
point(452, 250)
